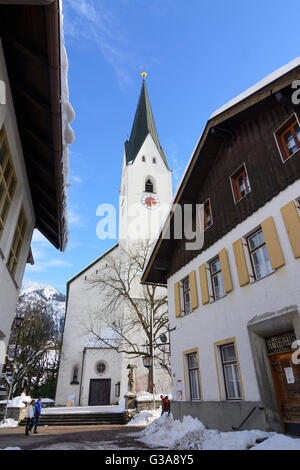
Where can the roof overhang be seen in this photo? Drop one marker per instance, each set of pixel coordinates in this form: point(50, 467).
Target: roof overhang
point(215, 132)
point(30, 34)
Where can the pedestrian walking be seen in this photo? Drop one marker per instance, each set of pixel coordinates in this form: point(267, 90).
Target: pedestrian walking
point(30, 417)
point(165, 405)
point(37, 414)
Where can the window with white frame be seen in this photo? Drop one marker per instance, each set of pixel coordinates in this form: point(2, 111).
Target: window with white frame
point(193, 373)
point(216, 279)
point(259, 255)
point(186, 296)
point(288, 138)
point(231, 372)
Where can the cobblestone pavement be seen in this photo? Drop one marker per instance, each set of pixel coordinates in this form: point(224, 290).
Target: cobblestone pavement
point(73, 437)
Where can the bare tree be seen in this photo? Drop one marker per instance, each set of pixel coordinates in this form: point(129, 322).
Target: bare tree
point(33, 348)
point(133, 316)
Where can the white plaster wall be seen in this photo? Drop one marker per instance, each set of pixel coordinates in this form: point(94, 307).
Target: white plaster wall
point(84, 304)
point(133, 188)
point(228, 317)
point(83, 310)
point(113, 362)
point(9, 287)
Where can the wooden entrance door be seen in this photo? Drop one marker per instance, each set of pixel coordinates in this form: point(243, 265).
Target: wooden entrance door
point(286, 376)
point(99, 392)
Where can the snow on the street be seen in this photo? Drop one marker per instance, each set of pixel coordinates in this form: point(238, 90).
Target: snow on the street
point(279, 442)
point(11, 448)
point(9, 423)
point(143, 418)
point(191, 434)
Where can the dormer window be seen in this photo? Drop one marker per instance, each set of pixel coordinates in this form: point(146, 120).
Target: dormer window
point(149, 186)
point(143, 158)
point(288, 138)
point(240, 184)
point(207, 215)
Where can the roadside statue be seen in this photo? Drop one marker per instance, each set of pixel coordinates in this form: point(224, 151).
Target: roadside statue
point(131, 378)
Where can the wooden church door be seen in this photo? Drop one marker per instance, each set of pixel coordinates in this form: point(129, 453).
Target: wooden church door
point(99, 392)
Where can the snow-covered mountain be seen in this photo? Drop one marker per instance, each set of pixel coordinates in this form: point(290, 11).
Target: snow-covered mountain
point(34, 292)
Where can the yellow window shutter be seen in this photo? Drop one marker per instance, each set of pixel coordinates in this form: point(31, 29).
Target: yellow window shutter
point(177, 299)
point(240, 261)
point(203, 284)
point(193, 290)
point(225, 270)
point(292, 223)
point(272, 243)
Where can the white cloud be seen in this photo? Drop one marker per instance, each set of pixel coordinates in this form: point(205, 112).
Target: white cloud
point(83, 19)
point(74, 217)
point(41, 266)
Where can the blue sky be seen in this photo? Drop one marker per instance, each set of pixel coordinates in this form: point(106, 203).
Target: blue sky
point(198, 55)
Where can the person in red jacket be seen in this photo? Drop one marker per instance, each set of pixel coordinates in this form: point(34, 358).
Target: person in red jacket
point(165, 405)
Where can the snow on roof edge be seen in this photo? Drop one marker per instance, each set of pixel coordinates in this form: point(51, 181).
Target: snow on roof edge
point(67, 116)
point(258, 86)
point(264, 82)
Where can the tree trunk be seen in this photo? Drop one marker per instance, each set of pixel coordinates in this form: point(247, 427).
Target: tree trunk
point(150, 381)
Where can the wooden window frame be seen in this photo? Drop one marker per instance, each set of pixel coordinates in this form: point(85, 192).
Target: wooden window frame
point(17, 243)
point(212, 275)
point(207, 204)
point(230, 363)
point(253, 250)
point(185, 291)
point(279, 137)
point(6, 180)
point(189, 369)
point(235, 187)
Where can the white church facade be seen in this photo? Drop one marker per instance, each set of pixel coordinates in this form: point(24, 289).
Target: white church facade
point(90, 372)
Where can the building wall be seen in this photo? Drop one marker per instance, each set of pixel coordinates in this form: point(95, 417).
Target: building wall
point(9, 286)
point(229, 316)
point(85, 311)
point(113, 362)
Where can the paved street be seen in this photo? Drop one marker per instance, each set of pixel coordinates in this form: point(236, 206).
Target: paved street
point(73, 437)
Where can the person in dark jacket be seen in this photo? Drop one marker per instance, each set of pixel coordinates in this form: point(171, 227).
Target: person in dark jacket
point(37, 414)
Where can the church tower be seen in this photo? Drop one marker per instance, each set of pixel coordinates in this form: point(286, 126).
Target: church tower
point(146, 183)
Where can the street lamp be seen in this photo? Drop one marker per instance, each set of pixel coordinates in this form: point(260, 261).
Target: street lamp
point(147, 361)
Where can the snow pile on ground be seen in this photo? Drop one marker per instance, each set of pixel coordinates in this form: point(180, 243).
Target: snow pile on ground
point(19, 402)
point(143, 418)
point(11, 448)
point(121, 404)
point(9, 423)
point(191, 434)
point(278, 442)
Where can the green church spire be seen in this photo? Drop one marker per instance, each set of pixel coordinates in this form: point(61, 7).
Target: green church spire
point(143, 124)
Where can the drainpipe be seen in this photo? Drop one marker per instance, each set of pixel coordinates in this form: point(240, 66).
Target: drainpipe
point(81, 377)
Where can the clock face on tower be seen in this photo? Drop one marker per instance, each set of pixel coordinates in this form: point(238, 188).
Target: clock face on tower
point(150, 201)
